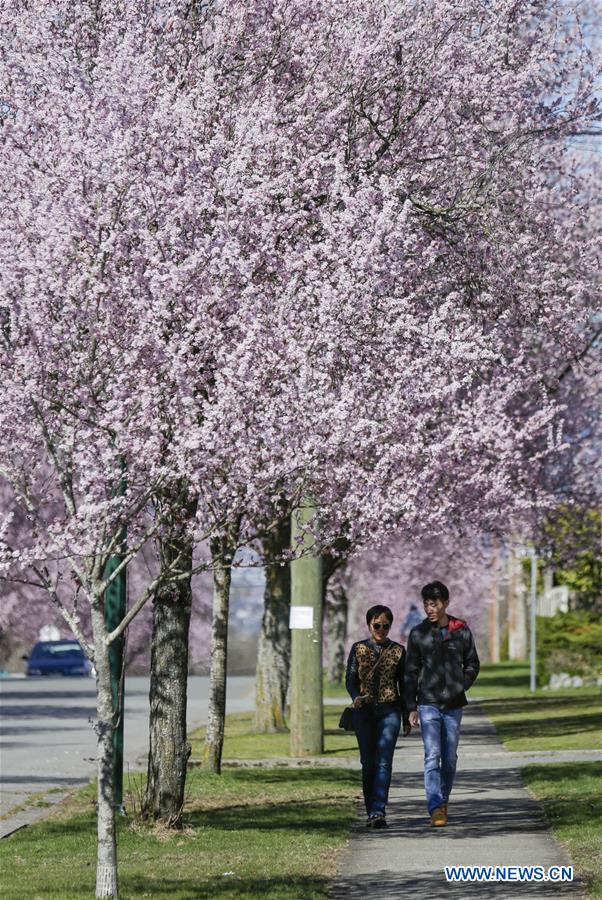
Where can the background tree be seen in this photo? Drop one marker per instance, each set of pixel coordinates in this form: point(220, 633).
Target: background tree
point(274, 647)
point(337, 615)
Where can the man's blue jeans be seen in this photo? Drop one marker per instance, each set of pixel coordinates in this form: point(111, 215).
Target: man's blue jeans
point(376, 728)
point(440, 735)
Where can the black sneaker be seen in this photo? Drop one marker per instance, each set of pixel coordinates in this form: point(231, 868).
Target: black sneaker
point(379, 821)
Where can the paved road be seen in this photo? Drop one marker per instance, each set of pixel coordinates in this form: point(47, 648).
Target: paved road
point(46, 739)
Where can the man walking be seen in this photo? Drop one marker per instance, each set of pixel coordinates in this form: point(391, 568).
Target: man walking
point(413, 618)
point(442, 663)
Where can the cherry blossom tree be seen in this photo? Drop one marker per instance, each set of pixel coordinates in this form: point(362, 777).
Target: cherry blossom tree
point(336, 613)
point(274, 644)
point(395, 573)
point(259, 253)
point(94, 372)
point(463, 213)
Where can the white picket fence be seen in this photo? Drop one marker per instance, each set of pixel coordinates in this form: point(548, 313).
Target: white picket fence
point(553, 600)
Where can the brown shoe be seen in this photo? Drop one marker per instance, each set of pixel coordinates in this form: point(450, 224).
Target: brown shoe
point(439, 817)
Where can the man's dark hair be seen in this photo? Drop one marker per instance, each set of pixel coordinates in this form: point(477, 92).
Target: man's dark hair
point(378, 610)
point(435, 590)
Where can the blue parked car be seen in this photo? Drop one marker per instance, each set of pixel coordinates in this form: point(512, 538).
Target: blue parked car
point(58, 658)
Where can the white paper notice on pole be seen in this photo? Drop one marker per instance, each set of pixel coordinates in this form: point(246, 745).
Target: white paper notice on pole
point(302, 617)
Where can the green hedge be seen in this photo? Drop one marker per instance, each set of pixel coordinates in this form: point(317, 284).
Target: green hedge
point(569, 642)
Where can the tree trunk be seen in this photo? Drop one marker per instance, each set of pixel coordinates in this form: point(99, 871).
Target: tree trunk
point(337, 609)
point(106, 868)
point(517, 613)
point(274, 648)
point(494, 608)
point(222, 576)
point(168, 748)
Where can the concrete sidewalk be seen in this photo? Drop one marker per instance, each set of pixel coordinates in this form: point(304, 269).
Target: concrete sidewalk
point(492, 821)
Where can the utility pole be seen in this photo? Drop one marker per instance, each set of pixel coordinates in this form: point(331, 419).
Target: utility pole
point(306, 698)
point(532, 660)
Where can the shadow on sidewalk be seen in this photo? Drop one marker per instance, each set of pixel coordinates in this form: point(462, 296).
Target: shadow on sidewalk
point(389, 885)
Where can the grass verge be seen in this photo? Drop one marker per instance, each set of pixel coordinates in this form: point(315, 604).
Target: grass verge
point(544, 720)
point(267, 832)
point(571, 795)
point(241, 742)
point(336, 690)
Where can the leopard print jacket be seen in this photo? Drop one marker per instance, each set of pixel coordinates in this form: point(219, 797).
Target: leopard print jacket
point(386, 683)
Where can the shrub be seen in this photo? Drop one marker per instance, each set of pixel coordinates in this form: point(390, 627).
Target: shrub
point(569, 642)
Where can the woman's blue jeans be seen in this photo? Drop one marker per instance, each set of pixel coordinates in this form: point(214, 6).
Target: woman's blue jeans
point(376, 728)
point(440, 735)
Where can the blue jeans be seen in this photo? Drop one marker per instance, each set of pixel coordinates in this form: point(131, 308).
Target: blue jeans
point(376, 729)
point(440, 735)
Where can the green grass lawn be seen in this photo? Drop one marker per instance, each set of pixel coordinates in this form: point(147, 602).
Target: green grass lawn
point(569, 719)
point(336, 690)
point(503, 680)
point(266, 832)
point(571, 795)
point(241, 742)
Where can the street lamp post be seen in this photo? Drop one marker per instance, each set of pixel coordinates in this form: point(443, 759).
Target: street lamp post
point(529, 552)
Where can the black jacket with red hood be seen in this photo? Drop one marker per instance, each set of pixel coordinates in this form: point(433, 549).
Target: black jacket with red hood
point(439, 669)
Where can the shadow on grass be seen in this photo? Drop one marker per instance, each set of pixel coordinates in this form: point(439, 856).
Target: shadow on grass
point(78, 827)
point(586, 716)
point(570, 793)
point(228, 888)
point(569, 813)
point(560, 726)
point(299, 815)
point(278, 775)
point(190, 888)
point(493, 680)
point(521, 705)
point(553, 773)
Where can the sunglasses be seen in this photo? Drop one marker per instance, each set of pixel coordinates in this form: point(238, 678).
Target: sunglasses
point(378, 625)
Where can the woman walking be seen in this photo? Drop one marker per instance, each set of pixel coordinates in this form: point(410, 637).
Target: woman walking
point(375, 671)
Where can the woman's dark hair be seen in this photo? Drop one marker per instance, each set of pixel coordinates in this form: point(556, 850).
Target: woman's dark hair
point(435, 590)
point(378, 610)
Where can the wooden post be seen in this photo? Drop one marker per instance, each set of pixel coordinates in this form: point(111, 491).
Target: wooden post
point(306, 696)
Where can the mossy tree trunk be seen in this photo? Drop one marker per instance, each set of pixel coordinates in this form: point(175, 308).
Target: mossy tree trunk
point(337, 611)
point(169, 749)
point(274, 647)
